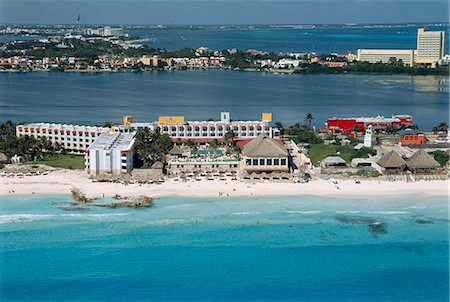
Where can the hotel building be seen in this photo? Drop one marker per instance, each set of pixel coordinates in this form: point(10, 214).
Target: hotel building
point(111, 153)
point(70, 137)
point(204, 131)
point(360, 124)
point(77, 138)
point(430, 51)
point(385, 55)
point(430, 46)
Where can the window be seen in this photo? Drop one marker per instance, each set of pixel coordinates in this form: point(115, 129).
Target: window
point(283, 161)
point(276, 162)
point(269, 162)
point(262, 162)
point(248, 162)
point(255, 162)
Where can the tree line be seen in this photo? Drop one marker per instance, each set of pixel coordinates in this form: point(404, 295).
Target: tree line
point(28, 147)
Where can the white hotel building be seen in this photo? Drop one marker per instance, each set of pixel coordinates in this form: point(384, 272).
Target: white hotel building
point(202, 131)
point(430, 50)
point(385, 55)
point(71, 137)
point(430, 46)
point(111, 153)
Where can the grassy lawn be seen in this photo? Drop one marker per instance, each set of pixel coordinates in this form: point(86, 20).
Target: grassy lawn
point(66, 161)
point(317, 152)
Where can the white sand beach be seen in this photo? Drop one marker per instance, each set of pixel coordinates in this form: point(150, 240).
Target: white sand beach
point(61, 182)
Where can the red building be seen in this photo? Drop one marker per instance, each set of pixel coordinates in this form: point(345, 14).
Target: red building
point(414, 139)
point(359, 124)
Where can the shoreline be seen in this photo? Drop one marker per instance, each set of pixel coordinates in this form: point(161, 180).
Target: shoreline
point(60, 182)
point(268, 71)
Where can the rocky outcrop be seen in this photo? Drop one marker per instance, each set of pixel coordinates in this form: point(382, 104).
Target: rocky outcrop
point(139, 202)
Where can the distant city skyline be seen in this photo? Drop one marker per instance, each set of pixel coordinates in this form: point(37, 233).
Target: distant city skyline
point(178, 12)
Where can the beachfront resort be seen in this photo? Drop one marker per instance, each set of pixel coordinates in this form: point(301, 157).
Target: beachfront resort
point(173, 148)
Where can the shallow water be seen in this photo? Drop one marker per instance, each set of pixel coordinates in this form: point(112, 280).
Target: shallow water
point(277, 248)
point(321, 40)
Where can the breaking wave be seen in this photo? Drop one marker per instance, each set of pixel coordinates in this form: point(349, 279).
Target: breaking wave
point(303, 212)
point(16, 218)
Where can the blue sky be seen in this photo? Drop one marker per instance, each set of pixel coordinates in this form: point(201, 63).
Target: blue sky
point(223, 11)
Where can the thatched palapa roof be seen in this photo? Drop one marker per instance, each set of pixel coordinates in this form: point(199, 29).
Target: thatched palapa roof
point(264, 146)
point(176, 151)
point(422, 160)
point(392, 160)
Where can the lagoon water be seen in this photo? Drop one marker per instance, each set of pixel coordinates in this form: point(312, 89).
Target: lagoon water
point(87, 98)
point(277, 248)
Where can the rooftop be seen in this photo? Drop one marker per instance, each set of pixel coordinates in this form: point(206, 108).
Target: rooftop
point(64, 127)
point(113, 141)
point(264, 146)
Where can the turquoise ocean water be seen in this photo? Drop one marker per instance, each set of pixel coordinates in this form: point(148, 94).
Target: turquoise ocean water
point(274, 248)
point(330, 39)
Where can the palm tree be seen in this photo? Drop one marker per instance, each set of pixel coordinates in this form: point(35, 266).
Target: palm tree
point(308, 119)
point(442, 127)
point(215, 144)
point(279, 125)
point(229, 138)
point(190, 143)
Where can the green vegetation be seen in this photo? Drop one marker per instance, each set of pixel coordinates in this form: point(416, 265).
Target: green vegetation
point(301, 133)
point(28, 147)
point(151, 147)
point(441, 157)
point(317, 152)
point(90, 50)
point(215, 144)
point(65, 161)
point(442, 127)
point(230, 141)
point(379, 68)
point(364, 173)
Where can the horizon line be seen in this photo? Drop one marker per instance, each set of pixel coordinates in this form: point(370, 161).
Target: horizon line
point(230, 24)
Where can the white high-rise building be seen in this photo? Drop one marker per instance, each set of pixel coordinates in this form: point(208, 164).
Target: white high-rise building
point(111, 153)
point(430, 46)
